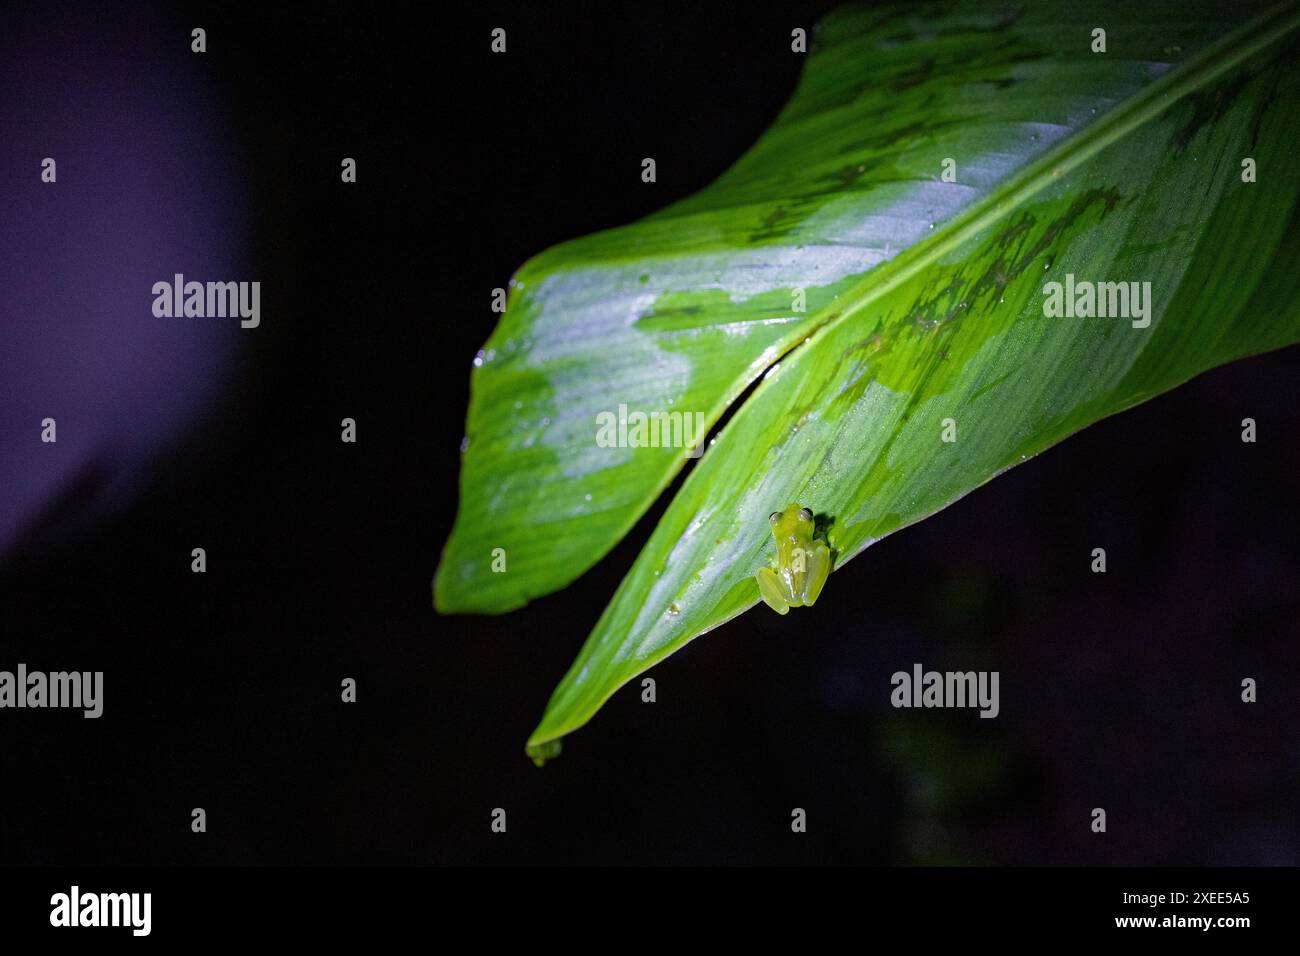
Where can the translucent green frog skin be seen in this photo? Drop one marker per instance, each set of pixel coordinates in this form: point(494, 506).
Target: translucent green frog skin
point(802, 563)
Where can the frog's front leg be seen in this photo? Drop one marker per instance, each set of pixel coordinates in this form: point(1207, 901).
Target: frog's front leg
point(773, 590)
point(819, 569)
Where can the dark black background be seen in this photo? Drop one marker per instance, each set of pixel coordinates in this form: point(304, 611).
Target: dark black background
point(222, 690)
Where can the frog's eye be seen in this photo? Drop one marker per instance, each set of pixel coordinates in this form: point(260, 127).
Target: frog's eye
point(774, 517)
point(805, 514)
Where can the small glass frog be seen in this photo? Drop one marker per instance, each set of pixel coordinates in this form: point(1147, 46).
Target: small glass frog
point(802, 563)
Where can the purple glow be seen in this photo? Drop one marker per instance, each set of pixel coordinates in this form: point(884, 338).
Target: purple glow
point(148, 184)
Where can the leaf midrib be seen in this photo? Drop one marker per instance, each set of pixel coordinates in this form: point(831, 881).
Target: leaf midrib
point(1131, 114)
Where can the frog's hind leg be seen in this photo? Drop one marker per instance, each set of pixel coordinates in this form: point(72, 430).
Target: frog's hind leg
point(769, 586)
point(819, 569)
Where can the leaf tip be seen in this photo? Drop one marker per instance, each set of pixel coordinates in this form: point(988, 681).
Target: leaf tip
point(544, 750)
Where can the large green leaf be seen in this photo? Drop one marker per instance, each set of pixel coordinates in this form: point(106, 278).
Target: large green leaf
point(925, 302)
